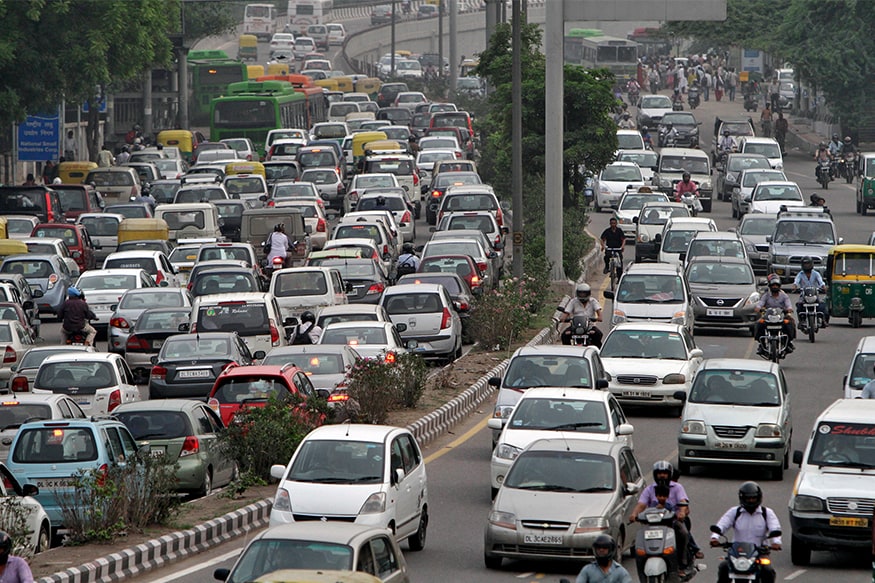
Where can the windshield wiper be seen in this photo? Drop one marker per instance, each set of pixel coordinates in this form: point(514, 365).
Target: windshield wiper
point(596, 489)
point(548, 488)
point(572, 426)
point(847, 464)
point(366, 479)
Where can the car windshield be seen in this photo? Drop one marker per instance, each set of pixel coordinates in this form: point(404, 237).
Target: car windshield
point(358, 231)
point(757, 226)
point(244, 185)
point(483, 223)
point(629, 141)
point(562, 471)
point(692, 164)
point(560, 415)
point(180, 219)
point(752, 178)
point(101, 226)
point(300, 283)
point(338, 462)
point(247, 319)
point(75, 377)
point(105, 282)
point(72, 199)
point(267, 555)
point(656, 344)
point(392, 203)
point(325, 320)
point(46, 249)
point(737, 128)
point(470, 202)
point(655, 102)
point(457, 179)
point(414, 303)
point(311, 362)
point(66, 234)
point(678, 119)
point(159, 424)
point(813, 232)
point(843, 444)
point(715, 248)
point(636, 202)
point(222, 253)
point(720, 273)
point(650, 289)
point(151, 299)
point(52, 445)
point(624, 173)
point(19, 226)
point(254, 389)
point(373, 181)
point(363, 335)
point(29, 269)
point(162, 321)
point(548, 371)
point(13, 413)
point(297, 189)
point(767, 150)
point(659, 215)
point(183, 254)
point(777, 192)
point(736, 387)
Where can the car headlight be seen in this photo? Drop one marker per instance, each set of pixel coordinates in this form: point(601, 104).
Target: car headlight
point(732, 177)
point(282, 502)
point(768, 430)
point(619, 316)
point(752, 299)
point(502, 411)
point(592, 524)
point(375, 504)
point(643, 238)
point(502, 519)
point(674, 379)
point(779, 166)
point(604, 189)
point(693, 427)
point(706, 184)
point(750, 248)
point(679, 317)
point(507, 452)
point(665, 183)
point(803, 503)
point(624, 221)
point(780, 259)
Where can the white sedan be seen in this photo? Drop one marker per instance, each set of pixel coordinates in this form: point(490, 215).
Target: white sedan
point(613, 182)
point(769, 196)
point(629, 208)
point(648, 363)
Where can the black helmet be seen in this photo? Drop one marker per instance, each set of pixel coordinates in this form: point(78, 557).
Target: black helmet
point(725, 132)
point(835, 137)
point(774, 279)
point(279, 227)
point(5, 547)
point(407, 248)
point(604, 548)
point(308, 316)
point(381, 201)
point(750, 495)
point(686, 176)
point(662, 467)
point(807, 264)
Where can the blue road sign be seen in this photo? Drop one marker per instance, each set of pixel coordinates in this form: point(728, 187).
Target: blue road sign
point(39, 138)
point(101, 109)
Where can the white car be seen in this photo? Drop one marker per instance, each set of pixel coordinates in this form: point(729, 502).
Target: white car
point(769, 196)
point(651, 108)
point(630, 206)
point(19, 407)
point(155, 263)
point(37, 522)
point(282, 40)
point(748, 180)
point(98, 381)
point(394, 203)
point(369, 339)
point(408, 68)
point(429, 319)
point(648, 362)
point(425, 161)
point(361, 182)
point(548, 413)
point(314, 217)
point(336, 33)
point(104, 287)
point(15, 340)
point(367, 474)
point(613, 181)
point(768, 147)
point(647, 161)
point(409, 99)
point(630, 140)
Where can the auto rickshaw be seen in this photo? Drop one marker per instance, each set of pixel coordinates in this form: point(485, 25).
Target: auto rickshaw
point(331, 84)
point(369, 85)
point(142, 230)
point(12, 247)
point(254, 71)
point(345, 84)
point(74, 172)
point(383, 147)
point(358, 144)
point(850, 280)
point(277, 68)
point(182, 139)
point(247, 48)
point(234, 168)
point(4, 235)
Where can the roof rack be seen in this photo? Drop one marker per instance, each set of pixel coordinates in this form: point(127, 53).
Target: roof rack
point(805, 211)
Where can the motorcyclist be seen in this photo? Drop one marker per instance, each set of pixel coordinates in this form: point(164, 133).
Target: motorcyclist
point(413, 145)
point(626, 122)
point(686, 187)
point(670, 136)
point(809, 277)
point(74, 316)
point(848, 153)
point(408, 262)
point(775, 299)
point(278, 244)
point(605, 569)
point(835, 145)
point(587, 306)
point(751, 522)
point(727, 143)
point(308, 332)
point(817, 200)
point(822, 156)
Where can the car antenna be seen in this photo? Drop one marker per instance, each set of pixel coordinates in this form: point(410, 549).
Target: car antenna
point(567, 446)
point(348, 423)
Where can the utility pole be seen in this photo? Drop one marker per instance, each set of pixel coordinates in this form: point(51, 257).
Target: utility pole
point(441, 38)
point(392, 41)
point(516, 155)
point(454, 65)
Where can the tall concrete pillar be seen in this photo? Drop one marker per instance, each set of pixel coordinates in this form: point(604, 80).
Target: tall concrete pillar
point(183, 88)
point(147, 103)
point(554, 27)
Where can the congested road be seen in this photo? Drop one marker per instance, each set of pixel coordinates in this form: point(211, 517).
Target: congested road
point(458, 466)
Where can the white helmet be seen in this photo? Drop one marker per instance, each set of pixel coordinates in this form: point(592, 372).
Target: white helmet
point(583, 290)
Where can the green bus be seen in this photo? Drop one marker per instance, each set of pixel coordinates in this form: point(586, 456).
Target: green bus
point(211, 72)
point(250, 109)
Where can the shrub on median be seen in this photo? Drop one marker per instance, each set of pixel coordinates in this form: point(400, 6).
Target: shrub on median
point(378, 386)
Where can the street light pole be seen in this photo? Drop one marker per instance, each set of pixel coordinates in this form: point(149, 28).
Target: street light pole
point(516, 156)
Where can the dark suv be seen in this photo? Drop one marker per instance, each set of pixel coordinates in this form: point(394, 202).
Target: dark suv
point(388, 93)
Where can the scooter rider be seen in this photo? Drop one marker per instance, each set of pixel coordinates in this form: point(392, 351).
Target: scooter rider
point(408, 262)
point(809, 277)
point(687, 188)
point(727, 143)
point(74, 316)
point(277, 244)
point(750, 522)
point(626, 122)
point(775, 299)
point(605, 569)
point(671, 135)
point(587, 306)
point(308, 332)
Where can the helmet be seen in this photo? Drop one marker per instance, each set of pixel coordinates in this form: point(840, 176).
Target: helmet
point(626, 115)
point(308, 316)
point(583, 291)
point(750, 495)
point(686, 176)
point(669, 125)
point(137, 141)
point(411, 138)
point(725, 132)
point(57, 180)
point(279, 227)
point(74, 292)
point(604, 548)
point(773, 279)
point(807, 264)
point(662, 467)
point(407, 248)
point(847, 139)
point(822, 145)
point(835, 137)
point(381, 201)
point(5, 547)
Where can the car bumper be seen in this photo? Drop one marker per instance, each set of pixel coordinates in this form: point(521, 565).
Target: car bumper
point(814, 530)
point(190, 472)
point(432, 345)
point(611, 200)
point(706, 317)
point(140, 362)
point(630, 230)
point(513, 544)
point(118, 339)
point(707, 449)
point(381, 520)
point(657, 395)
point(163, 390)
point(498, 470)
point(646, 251)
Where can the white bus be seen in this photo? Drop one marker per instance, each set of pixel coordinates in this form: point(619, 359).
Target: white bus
point(260, 20)
point(303, 13)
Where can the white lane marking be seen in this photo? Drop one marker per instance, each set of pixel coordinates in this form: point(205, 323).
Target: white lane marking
point(524, 575)
point(795, 574)
point(196, 568)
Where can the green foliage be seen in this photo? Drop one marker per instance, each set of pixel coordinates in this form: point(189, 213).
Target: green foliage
point(749, 23)
point(376, 387)
point(500, 316)
point(203, 19)
point(14, 518)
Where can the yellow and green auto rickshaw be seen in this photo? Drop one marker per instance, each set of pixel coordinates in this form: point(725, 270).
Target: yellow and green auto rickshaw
point(850, 280)
point(74, 172)
point(247, 49)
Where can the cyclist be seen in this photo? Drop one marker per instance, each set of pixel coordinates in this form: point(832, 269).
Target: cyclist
point(612, 239)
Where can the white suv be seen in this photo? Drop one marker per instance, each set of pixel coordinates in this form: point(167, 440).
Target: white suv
point(255, 316)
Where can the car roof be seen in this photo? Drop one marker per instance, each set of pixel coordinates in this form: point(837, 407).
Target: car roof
point(850, 410)
point(249, 297)
point(285, 370)
point(653, 326)
point(739, 364)
point(78, 422)
point(158, 404)
point(135, 253)
point(717, 235)
point(354, 431)
point(576, 394)
point(33, 397)
point(777, 183)
point(575, 445)
point(556, 350)
point(337, 532)
point(688, 152)
point(657, 268)
point(81, 356)
point(680, 222)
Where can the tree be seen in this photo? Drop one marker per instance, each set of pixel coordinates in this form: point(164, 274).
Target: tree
point(749, 23)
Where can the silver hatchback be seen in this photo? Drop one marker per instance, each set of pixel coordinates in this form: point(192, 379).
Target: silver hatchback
point(430, 318)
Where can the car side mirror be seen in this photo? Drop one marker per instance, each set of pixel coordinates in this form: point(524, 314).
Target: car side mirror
point(323, 394)
point(95, 245)
point(601, 384)
point(631, 488)
point(154, 359)
point(493, 254)
point(290, 321)
point(797, 457)
point(680, 396)
point(411, 344)
point(768, 238)
point(30, 490)
point(635, 220)
point(37, 293)
point(263, 198)
point(401, 327)
point(841, 240)
point(609, 294)
point(221, 574)
point(144, 450)
point(419, 248)
point(625, 429)
point(697, 353)
point(347, 286)
point(398, 475)
point(27, 305)
point(494, 381)
point(657, 238)
point(114, 307)
point(258, 354)
point(183, 327)
point(277, 471)
point(505, 230)
point(477, 291)
point(164, 283)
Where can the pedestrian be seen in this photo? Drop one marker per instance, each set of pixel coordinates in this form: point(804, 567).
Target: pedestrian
point(71, 149)
point(105, 159)
point(706, 86)
point(49, 172)
point(732, 83)
point(774, 94)
point(29, 181)
point(719, 86)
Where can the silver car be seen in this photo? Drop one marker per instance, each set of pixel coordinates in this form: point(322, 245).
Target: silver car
point(396, 204)
point(748, 180)
point(324, 365)
point(737, 412)
point(24, 407)
point(430, 318)
point(131, 306)
point(327, 180)
point(754, 230)
point(724, 292)
point(24, 372)
point(559, 495)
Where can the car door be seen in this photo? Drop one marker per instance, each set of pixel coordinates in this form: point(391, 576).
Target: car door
point(404, 492)
point(618, 418)
point(129, 390)
point(630, 473)
point(207, 428)
point(786, 419)
point(386, 562)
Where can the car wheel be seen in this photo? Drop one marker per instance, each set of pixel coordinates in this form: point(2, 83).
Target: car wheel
point(493, 492)
point(416, 542)
point(778, 472)
point(43, 539)
point(207, 487)
point(492, 562)
point(684, 468)
point(800, 553)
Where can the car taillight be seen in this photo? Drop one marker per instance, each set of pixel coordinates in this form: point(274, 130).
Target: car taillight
point(338, 397)
point(159, 372)
point(463, 306)
point(353, 195)
point(136, 343)
point(9, 356)
point(481, 265)
point(458, 154)
point(159, 277)
point(321, 226)
point(390, 358)
point(190, 446)
point(385, 250)
point(499, 217)
point(446, 319)
point(376, 288)
point(193, 328)
point(53, 279)
point(498, 239)
point(440, 216)
point(475, 281)
point(19, 385)
point(340, 188)
point(406, 217)
point(415, 179)
point(134, 192)
point(115, 399)
point(189, 286)
point(249, 157)
point(436, 193)
point(274, 334)
point(119, 323)
point(102, 471)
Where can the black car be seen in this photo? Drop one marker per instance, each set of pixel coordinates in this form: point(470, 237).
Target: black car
point(221, 277)
point(388, 92)
point(459, 292)
point(281, 170)
point(364, 275)
point(163, 191)
point(152, 328)
point(397, 115)
point(685, 124)
point(231, 213)
point(188, 364)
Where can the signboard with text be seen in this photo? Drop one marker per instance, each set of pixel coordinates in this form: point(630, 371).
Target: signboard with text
point(39, 138)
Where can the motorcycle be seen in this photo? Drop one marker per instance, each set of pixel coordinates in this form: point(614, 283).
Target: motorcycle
point(774, 342)
point(745, 560)
point(823, 173)
point(848, 167)
point(693, 97)
point(275, 264)
point(633, 95)
point(750, 102)
point(581, 326)
point(656, 547)
point(692, 203)
point(810, 318)
point(677, 105)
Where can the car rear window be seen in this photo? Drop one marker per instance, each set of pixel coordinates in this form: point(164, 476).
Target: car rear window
point(53, 445)
point(247, 319)
point(457, 265)
point(151, 299)
point(34, 358)
point(302, 283)
point(13, 413)
point(220, 283)
point(480, 223)
point(109, 179)
point(19, 226)
point(145, 263)
point(245, 390)
point(186, 347)
point(75, 378)
point(396, 167)
point(72, 199)
point(358, 232)
point(200, 195)
point(101, 226)
point(390, 203)
point(179, 219)
point(310, 363)
point(161, 321)
point(161, 424)
point(354, 336)
point(414, 303)
point(244, 185)
point(337, 318)
point(221, 253)
point(29, 269)
point(68, 235)
point(104, 282)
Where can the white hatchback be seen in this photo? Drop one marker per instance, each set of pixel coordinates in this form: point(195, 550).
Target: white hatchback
point(771, 195)
point(97, 381)
point(613, 182)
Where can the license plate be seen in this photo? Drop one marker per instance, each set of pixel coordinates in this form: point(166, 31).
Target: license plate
point(102, 308)
point(652, 534)
point(730, 445)
point(157, 450)
point(543, 539)
point(157, 344)
point(718, 312)
point(82, 402)
point(848, 521)
point(193, 374)
point(641, 394)
point(53, 483)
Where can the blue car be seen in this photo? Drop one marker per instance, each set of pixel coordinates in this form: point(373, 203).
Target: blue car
point(46, 273)
point(48, 454)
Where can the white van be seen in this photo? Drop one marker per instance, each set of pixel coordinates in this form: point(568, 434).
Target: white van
point(677, 234)
point(254, 316)
point(832, 499)
point(297, 289)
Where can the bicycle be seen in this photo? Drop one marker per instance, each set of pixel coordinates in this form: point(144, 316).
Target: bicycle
point(615, 267)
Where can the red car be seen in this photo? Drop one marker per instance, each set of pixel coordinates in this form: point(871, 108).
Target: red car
point(462, 265)
point(76, 239)
point(252, 386)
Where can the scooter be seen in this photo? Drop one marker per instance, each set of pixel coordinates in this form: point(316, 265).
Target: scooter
point(745, 560)
point(810, 318)
point(656, 549)
point(693, 97)
point(692, 202)
point(774, 343)
point(750, 102)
